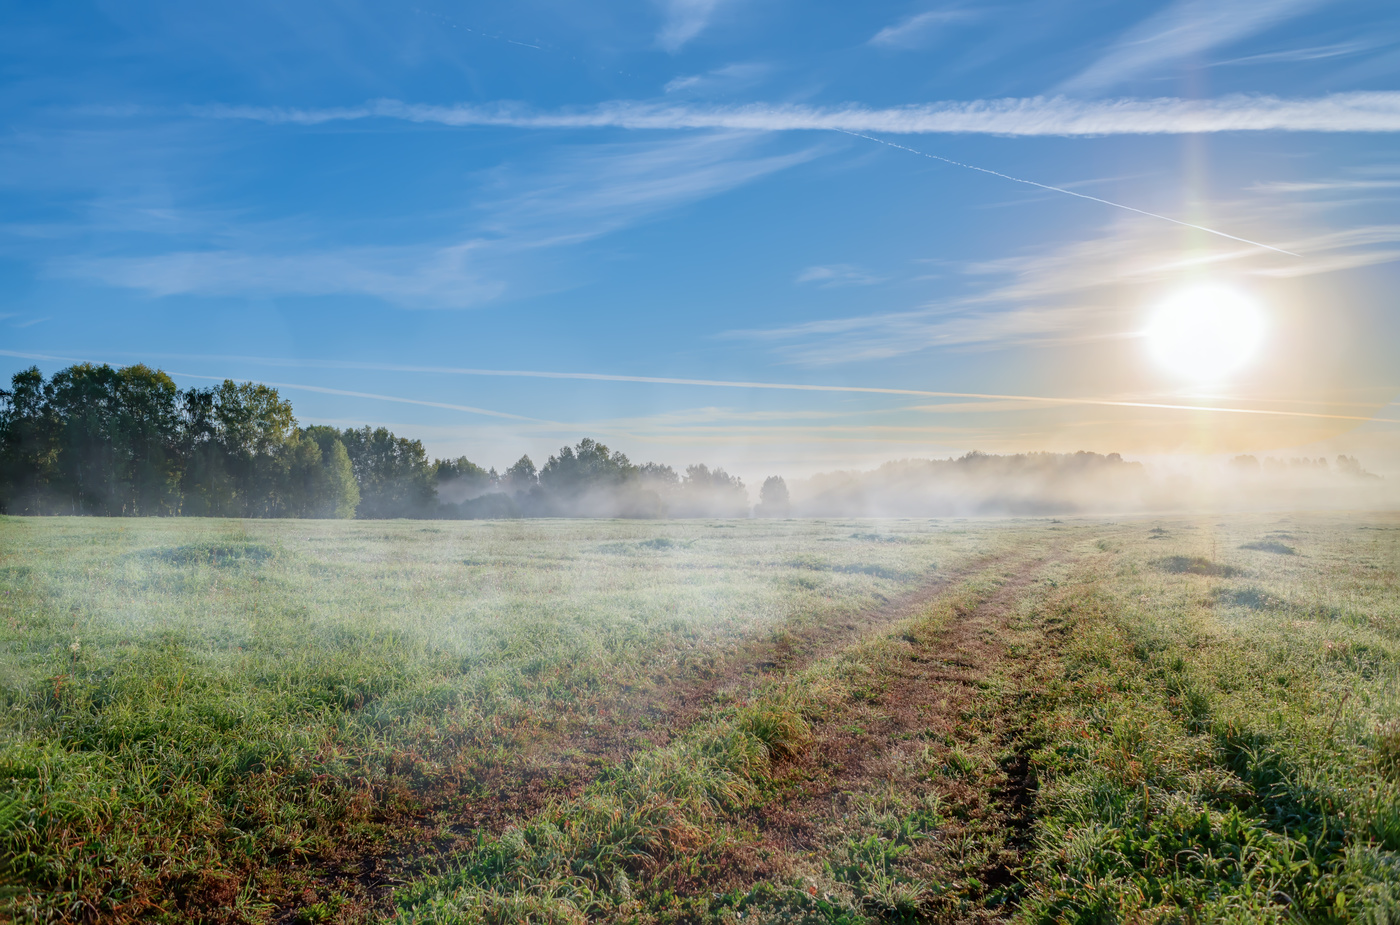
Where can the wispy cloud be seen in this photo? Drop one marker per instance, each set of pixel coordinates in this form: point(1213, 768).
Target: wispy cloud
point(684, 20)
point(1377, 111)
point(728, 78)
point(578, 195)
point(1324, 186)
point(1066, 293)
point(592, 190)
point(1182, 29)
point(1310, 53)
point(917, 29)
point(892, 334)
point(837, 274)
point(435, 277)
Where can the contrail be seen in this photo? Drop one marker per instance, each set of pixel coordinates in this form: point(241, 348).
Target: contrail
point(469, 409)
point(1067, 192)
point(671, 380)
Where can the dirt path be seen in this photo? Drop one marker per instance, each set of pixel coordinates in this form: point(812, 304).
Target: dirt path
point(946, 724)
point(561, 766)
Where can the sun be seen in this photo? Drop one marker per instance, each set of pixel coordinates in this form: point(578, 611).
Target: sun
point(1205, 333)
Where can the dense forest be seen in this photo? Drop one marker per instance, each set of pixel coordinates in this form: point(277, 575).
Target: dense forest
point(98, 440)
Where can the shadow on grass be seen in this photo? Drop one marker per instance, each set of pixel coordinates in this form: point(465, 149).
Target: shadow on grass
point(215, 554)
point(877, 571)
point(1251, 597)
point(1196, 565)
point(1273, 546)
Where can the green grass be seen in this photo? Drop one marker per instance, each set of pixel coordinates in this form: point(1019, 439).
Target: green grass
point(217, 720)
point(1221, 750)
point(191, 709)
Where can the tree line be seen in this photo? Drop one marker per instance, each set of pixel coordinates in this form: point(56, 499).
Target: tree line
point(128, 442)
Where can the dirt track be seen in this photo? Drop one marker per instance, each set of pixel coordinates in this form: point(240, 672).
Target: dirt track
point(950, 687)
point(929, 689)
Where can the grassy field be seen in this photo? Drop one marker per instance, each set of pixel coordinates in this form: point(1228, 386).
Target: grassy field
point(665, 722)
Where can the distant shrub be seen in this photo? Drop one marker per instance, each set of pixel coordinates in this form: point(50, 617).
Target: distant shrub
point(1273, 546)
point(1196, 565)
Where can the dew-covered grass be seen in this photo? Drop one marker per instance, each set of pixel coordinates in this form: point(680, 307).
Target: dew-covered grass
point(205, 719)
point(191, 711)
point(1220, 745)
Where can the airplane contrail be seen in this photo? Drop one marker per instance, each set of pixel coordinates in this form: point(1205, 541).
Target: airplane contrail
point(1067, 192)
point(469, 409)
point(704, 383)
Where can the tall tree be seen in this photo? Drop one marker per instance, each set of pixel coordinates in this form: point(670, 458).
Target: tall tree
point(522, 476)
point(253, 427)
point(773, 498)
point(394, 475)
point(338, 493)
point(320, 482)
point(28, 446)
point(146, 436)
point(206, 485)
point(590, 465)
point(85, 401)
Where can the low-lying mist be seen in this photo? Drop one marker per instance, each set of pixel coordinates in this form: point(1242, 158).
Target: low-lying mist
point(979, 484)
point(128, 442)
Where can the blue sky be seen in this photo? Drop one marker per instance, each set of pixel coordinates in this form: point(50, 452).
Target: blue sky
point(374, 204)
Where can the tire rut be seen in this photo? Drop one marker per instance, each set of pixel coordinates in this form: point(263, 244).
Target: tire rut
point(932, 688)
point(563, 767)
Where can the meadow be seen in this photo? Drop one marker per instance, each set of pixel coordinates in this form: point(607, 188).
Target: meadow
point(568, 721)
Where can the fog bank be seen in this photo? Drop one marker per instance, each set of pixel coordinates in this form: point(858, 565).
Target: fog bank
point(1088, 483)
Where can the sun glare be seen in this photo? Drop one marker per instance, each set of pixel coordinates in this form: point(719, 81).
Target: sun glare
point(1205, 333)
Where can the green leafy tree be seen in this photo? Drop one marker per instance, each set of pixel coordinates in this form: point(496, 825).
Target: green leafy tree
point(253, 426)
point(773, 498)
point(707, 492)
point(658, 476)
point(460, 478)
point(320, 481)
point(28, 446)
point(206, 485)
point(522, 476)
point(393, 473)
point(84, 400)
point(146, 434)
point(590, 465)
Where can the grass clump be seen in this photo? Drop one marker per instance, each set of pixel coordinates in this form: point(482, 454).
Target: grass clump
point(1387, 749)
point(781, 729)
